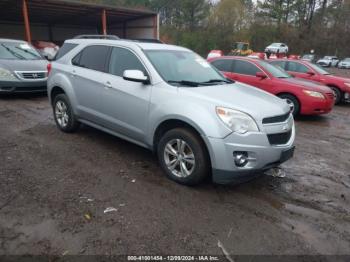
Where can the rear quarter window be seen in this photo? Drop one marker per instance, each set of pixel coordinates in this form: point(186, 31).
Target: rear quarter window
point(66, 48)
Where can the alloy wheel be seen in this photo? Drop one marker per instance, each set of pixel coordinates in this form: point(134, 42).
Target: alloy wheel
point(61, 112)
point(179, 158)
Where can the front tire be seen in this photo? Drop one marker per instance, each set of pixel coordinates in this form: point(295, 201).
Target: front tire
point(337, 94)
point(293, 102)
point(64, 115)
point(183, 157)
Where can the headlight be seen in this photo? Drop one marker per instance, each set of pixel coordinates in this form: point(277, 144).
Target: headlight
point(314, 94)
point(6, 75)
point(347, 84)
point(237, 121)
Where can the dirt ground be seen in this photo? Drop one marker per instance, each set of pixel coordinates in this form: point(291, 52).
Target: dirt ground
point(55, 187)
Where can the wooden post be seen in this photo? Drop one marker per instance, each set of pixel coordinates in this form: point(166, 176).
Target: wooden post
point(26, 21)
point(104, 22)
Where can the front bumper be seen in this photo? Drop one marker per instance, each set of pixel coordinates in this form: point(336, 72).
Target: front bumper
point(261, 154)
point(8, 87)
point(341, 66)
point(316, 106)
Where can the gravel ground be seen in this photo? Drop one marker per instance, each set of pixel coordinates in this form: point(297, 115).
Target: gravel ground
point(55, 187)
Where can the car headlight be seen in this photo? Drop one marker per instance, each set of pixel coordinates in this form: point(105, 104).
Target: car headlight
point(237, 121)
point(6, 75)
point(314, 94)
point(347, 84)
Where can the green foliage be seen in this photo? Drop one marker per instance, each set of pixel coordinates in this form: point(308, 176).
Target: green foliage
point(203, 25)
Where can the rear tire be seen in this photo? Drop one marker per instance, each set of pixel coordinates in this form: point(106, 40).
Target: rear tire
point(64, 115)
point(293, 102)
point(183, 157)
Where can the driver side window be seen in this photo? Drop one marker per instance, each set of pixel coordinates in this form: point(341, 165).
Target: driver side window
point(122, 59)
point(245, 68)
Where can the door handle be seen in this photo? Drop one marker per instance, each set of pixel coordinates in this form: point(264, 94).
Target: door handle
point(108, 84)
point(74, 73)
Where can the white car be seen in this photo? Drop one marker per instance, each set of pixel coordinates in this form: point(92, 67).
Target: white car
point(345, 63)
point(328, 61)
point(277, 48)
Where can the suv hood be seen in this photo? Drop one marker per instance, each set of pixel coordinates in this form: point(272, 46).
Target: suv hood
point(257, 103)
point(308, 85)
point(24, 65)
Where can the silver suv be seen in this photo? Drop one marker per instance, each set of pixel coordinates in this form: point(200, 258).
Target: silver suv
point(170, 100)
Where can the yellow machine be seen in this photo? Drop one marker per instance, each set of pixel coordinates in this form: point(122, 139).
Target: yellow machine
point(241, 49)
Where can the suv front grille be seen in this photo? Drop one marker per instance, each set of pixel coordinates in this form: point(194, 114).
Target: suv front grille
point(279, 139)
point(276, 119)
point(32, 75)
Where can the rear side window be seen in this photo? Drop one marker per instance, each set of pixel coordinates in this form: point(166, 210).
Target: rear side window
point(93, 57)
point(245, 68)
point(123, 59)
point(224, 65)
point(297, 67)
point(67, 47)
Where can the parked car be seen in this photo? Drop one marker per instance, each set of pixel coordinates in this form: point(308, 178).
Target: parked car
point(309, 57)
point(277, 48)
point(328, 61)
point(304, 97)
point(170, 100)
point(22, 68)
point(313, 72)
point(345, 63)
point(215, 53)
point(46, 49)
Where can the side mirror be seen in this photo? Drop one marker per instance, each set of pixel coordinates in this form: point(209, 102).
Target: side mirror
point(261, 75)
point(135, 76)
point(310, 73)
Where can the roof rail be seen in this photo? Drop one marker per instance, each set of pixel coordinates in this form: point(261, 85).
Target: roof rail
point(109, 37)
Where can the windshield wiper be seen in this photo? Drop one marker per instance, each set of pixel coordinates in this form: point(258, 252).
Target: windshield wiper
point(13, 53)
point(218, 81)
point(184, 82)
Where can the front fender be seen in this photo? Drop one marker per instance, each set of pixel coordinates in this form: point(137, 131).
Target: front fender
point(200, 116)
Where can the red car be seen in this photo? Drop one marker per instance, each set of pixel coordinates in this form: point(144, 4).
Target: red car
point(310, 71)
point(304, 97)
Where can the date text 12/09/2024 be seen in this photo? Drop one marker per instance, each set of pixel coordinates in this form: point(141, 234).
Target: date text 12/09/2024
point(173, 258)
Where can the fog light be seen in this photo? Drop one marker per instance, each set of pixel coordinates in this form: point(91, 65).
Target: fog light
point(240, 158)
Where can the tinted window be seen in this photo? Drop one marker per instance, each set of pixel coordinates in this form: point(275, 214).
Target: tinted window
point(93, 57)
point(245, 68)
point(224, 65)
point(123, 59)
point(297, 67)
point(67, 47)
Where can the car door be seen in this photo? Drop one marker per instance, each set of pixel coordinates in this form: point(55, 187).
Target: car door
point(225, 67)
point(87, 70)
point(245, 72)
point(125, 103)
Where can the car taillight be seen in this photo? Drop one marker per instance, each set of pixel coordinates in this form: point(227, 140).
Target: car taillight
point(49, 67)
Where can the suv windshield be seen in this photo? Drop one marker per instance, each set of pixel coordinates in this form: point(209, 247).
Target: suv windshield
point(319, 69)
point(276, 71)
point(184, 68)
point(18, 51)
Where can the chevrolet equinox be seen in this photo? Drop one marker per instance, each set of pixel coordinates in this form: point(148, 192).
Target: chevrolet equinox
point(170, 100)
